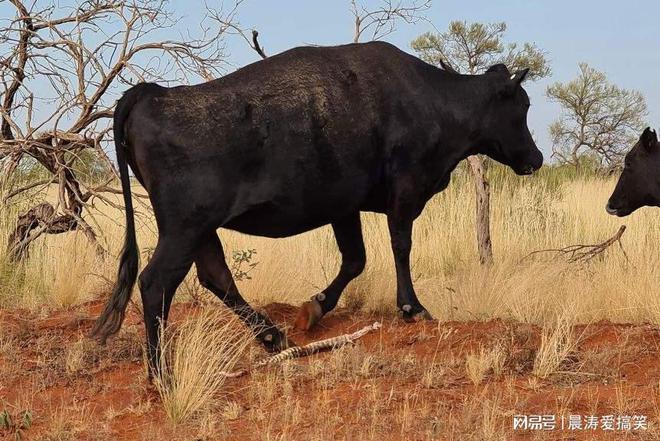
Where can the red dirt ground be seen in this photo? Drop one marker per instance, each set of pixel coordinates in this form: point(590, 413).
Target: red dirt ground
point(615, 370)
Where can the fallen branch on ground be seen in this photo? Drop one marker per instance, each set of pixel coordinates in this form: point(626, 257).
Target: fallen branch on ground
point(585, 253)
point(304, 351)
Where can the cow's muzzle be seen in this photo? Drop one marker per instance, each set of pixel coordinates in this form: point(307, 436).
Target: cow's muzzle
point(533, 163)
point(526, 170)
point(611, 210)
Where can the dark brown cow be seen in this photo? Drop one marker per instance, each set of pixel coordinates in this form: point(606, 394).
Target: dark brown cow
point(309, 137)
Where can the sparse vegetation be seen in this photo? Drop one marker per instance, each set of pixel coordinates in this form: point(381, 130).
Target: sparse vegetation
point(195, 355)
point(557, 342)
point(15, 423)
point(450, 381)
point(515, 334)
point(484, 361)
point(554, 210)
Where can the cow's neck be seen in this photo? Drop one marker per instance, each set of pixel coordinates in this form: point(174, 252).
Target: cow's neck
point(463, 97)
point(466, 98)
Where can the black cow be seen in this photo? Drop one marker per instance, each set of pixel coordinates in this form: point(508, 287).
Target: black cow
point(309, 137)
point(639, 183)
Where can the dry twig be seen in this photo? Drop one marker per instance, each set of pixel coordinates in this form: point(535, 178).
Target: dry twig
point(381, 20)
point(256, 46)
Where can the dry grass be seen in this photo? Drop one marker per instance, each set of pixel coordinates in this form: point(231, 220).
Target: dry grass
point(556, 343)
point(406, 388)
point(527, 215)
point(393, 393)
point(484, 361)
point(195, 353)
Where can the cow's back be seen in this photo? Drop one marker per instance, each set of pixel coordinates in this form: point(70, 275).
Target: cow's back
point(298, 135)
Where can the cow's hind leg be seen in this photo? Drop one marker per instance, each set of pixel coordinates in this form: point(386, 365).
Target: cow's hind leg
point(348, 233)
point(165, 271)
point(215, 276)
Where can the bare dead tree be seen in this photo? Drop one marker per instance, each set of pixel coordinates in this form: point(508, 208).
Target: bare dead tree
point(381, 20)
point(59, 75)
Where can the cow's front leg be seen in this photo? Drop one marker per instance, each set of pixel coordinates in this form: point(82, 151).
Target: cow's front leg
point(214, 275)
point(401, 214)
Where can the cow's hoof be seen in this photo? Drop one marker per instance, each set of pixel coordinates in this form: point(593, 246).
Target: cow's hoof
point(412, 316)
point(309, 315)
point(274, 341)
point(424, 315)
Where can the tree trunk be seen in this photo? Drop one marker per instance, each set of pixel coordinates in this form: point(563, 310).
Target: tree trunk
point(482, 193)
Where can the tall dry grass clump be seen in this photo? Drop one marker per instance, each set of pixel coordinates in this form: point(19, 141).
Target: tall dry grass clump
point(557, 343)
point(193, 355)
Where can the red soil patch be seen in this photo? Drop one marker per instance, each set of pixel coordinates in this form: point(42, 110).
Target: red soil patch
point(615, 370)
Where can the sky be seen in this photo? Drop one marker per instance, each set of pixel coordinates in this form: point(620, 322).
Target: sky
point(621, 39)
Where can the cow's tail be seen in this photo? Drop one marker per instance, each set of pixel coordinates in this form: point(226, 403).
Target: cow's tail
point(110, 320)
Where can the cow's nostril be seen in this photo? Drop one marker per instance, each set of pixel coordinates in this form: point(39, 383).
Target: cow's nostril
point(528, 170)
point(610, 209)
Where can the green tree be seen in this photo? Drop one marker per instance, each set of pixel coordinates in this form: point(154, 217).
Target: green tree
point(598, 118)
point(471, 48)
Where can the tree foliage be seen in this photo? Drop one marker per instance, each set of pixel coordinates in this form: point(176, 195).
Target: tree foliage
point(597, 117)
point(474, 47)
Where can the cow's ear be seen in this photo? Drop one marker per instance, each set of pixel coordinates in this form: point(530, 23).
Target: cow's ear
point(649, 139)
point(519, 76)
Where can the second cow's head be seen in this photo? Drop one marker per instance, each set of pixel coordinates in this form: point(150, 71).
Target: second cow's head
point(639, 183)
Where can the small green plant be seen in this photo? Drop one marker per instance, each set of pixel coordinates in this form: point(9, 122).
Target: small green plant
point(15, 424)
point(242, 263)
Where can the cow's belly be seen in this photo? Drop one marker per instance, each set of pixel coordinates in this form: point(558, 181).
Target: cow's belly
point(273, 220)
point(270, 225)
point(286, 205)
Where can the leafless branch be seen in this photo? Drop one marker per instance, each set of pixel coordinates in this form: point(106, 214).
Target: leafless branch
point(381, 21)
point(585, 253)
point(85, 55)
point(230, 24)
point(256, 45)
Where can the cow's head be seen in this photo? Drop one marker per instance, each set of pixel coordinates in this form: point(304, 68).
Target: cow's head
point(503, 133)
point(639, 183)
